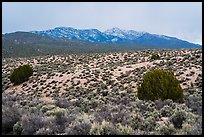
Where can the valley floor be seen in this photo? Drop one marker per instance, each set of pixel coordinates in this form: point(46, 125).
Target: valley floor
point(97, 94)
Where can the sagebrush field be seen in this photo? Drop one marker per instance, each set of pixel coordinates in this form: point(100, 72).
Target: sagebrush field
point(97, 94)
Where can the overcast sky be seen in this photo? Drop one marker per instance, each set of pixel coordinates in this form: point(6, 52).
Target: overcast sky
point(182, 20)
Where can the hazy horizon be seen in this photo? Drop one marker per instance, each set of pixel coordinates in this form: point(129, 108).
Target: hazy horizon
point(182, 20)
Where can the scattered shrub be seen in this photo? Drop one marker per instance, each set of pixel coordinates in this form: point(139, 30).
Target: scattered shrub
point(124, 130)
point(79, 111)
point(155, 57)
point(21, 74)
point(31, 123)
point(62, 103)
point(159, 104)
point(136, 121)
point(160, 84)
point(148, 124)
point(194, 122)
point(47, 107)
point(44, 131)
point(10, 115)
point(196, 129)
point(78, 128)
point(167, 130)
point(105, 128)
point(194, 101)
point(166, 111)
point(17, 128)
point(178, 118)
point(185, 129)
point(120, 117)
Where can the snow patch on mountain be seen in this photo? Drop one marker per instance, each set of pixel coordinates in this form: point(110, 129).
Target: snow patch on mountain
point(127, 34)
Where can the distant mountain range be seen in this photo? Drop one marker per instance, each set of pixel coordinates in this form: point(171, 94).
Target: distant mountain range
point(67, 40)
point(117, 36)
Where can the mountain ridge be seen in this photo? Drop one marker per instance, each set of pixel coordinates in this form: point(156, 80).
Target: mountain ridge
point(116, 35)
point(26, 44)
point(52, 42)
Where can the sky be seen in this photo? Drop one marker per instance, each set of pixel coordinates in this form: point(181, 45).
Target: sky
point(177, 19)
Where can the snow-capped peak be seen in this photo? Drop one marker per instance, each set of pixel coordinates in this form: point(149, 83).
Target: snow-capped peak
point(115, 32)
point(127, 34)
point(112, 30)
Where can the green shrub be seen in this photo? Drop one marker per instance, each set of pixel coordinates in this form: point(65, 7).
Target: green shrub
point(178, 118)
point(124, 130)
point(160, 84)
point(21, 74)
point(155, 57)
point(17, 128)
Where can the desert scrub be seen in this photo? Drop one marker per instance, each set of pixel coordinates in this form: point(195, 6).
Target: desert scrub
point(124, 130)
point(44, 131)
point(21, 74)
point(56, 112)
point(62, 103)
point(78, 128)
point(81, 125)
point(10, 115)
point(47, 107)
point(31, 122)
point(154, 114)
point(17, 128)
point(192, 125)
point(167, 129)
point(160, 84)
point(149, 124)
point(166, 111)
point(178, 118)
point(136, 120)
point(193, 100)
point(105, 128)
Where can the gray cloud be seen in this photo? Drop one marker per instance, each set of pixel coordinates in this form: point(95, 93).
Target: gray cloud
point(182, 20)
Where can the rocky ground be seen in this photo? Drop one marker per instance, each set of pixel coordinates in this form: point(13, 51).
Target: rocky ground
point(101, 88)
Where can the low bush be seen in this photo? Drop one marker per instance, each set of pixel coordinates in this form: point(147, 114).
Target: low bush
point(78, 128)
point(155, 57)
point(31, 123)
point(148, 125)
point(136, 121)
point(105, 128)
point(166, 111)
point(178, 118)
point(10, 115)
point(167, 130)
point(17, 129)
point(124, 130)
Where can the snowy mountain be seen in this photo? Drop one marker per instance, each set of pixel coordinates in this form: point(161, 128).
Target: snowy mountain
point(116, 36)
point(113, 35)
point(124, 34)
point(66, 40)
point(91, 35)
